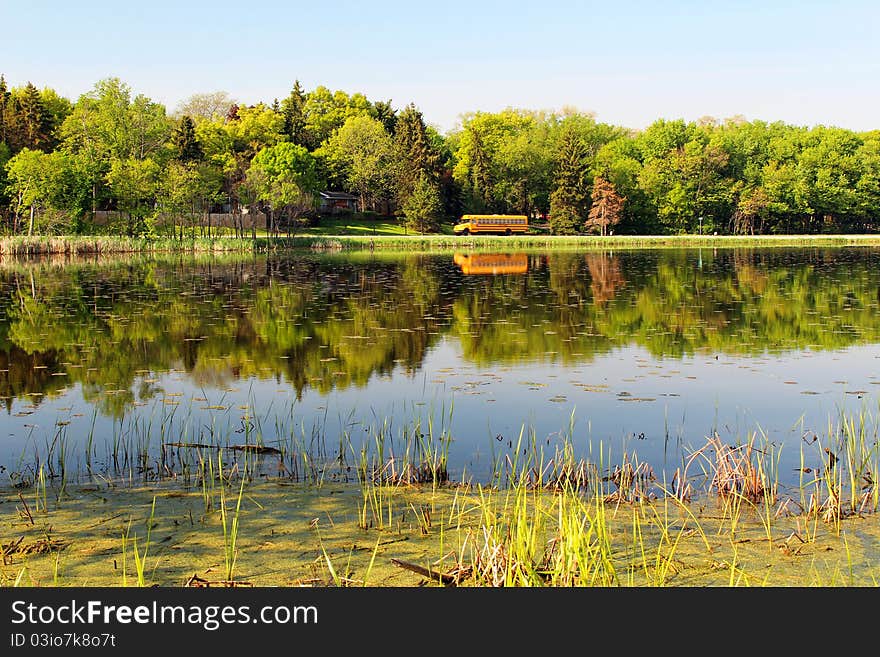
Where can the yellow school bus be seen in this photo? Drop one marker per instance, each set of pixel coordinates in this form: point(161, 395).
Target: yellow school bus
point(503, 224)
point(492, 263)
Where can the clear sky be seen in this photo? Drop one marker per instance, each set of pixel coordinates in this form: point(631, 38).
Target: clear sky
point(630, 62)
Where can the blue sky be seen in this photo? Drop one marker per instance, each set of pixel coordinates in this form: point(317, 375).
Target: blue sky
point(630, 62)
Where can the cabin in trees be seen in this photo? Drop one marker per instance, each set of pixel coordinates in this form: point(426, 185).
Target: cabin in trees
point(336, 202)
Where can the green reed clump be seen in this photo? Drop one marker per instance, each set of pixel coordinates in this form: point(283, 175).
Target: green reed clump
point(842, 473)
point(525, 536)
point(419, 455)
point(140, 559)
point(229, 521)
point(24, 246)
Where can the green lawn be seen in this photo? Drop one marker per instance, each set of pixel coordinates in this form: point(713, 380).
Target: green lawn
point(363, 227)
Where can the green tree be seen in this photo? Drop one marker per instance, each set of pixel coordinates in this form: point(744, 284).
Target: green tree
point(386, 115)
point(500, 162)
point(324, 112)
point(415, 153)
point(28, 121)
point(569, 200)
point(868, 185)
point(478, 180)
point(830, 172)
point(183, 194)
point(423, 206)
point(58, 108)
point(254, 129)
point(108, 126)
point(133, 183)
point(619, 162)
point(292, 109)
point(5, 110)
point(525, 163)
point(186, 144)
point(362, 154)
point(688, 180)
point(5, 155)
point(284, 178)
point(109, 122)
point(47, 186)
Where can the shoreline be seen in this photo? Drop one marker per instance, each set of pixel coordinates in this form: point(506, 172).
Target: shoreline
point(23, 247)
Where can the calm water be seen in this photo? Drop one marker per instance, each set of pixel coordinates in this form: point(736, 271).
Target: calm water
point(637, 351)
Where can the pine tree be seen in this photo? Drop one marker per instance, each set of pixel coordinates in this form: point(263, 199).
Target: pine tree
point(294, 119)
point(4, 97)
point(480, 174)
point(386, 115)
point(185, 142)
point(423, 206)
point(568, 202)
point(606, 206)
point(29, 124)
point(416, 155)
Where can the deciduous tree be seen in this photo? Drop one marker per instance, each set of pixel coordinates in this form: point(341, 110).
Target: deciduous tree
point(133, 184)
point(284, 178)
point(362, 154)
point(206, 106)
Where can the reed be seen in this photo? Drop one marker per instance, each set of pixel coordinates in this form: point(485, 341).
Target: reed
point(229, 522)
point(40, 493)
point(24, 246)
point(140, 559)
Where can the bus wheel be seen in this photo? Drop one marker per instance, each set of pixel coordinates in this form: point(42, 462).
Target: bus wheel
point(507, 232)
point(465, 232)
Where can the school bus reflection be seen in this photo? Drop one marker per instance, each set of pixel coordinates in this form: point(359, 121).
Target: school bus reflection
point(492, 263)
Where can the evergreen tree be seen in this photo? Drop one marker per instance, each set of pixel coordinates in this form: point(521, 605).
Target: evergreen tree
point(29, 124)
point(481, 174)
point(423, 206)
point(294, 119)
point(606, 206)
point(4, 97)
point(451, 194)
point(185, 142)
point(568, 202)
point(386, 115)
point(416, 155)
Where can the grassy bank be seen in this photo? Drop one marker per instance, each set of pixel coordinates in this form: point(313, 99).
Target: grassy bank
point(22, 246)
point(99, 245)
point(545, 518)
point(435, 243)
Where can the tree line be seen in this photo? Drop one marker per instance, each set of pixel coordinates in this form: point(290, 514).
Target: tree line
point(62, 161)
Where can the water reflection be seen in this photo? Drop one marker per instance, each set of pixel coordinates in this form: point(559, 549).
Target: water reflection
point(492, 263)
point(329, 323)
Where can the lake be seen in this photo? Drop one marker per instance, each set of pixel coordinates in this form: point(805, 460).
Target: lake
point(113, 367)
